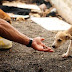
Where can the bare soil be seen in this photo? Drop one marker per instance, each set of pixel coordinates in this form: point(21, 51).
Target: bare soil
point(23, 59)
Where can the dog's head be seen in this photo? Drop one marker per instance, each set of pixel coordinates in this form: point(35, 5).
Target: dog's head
point(61, 38)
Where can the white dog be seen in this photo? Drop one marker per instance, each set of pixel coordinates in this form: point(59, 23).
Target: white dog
point(61, 37)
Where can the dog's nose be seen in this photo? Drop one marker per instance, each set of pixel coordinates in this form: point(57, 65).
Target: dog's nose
point(53, 46)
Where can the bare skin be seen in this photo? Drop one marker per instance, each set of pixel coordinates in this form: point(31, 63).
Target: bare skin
point(9, 32)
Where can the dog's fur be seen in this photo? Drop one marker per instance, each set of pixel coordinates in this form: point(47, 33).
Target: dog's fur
point(61, 37)
point(20, 19)
point(5, 16)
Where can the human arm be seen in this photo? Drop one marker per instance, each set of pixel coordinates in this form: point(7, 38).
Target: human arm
point(9, 32)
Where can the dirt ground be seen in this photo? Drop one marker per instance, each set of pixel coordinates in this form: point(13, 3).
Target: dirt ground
point(23, 59)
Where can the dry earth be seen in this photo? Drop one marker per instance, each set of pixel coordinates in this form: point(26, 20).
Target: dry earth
point(23, 59)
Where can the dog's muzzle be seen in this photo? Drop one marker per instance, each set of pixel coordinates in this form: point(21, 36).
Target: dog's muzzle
point(53, 46)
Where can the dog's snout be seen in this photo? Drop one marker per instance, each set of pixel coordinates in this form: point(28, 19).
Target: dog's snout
point(53, 46)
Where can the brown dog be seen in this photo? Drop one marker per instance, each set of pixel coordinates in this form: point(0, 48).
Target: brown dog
point(5, 16)
point(61, 37)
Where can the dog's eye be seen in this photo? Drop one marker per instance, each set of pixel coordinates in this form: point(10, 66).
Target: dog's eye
point(59, 40)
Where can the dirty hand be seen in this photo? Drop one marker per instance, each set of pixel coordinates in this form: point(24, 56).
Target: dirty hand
point(38, 45)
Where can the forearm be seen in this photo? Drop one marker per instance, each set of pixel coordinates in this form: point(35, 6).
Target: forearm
point(9, 32)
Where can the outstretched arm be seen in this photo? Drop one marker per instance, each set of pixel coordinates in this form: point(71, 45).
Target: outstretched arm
point(9, 32)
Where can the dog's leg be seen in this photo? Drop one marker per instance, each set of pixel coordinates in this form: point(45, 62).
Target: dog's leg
point(68, 50)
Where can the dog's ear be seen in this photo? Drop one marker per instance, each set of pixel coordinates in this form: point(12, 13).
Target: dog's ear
point(68, 36)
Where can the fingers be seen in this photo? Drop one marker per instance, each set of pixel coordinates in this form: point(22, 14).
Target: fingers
point(48, 49)
point(41, 48)
point(45, 49)
point(42, 39)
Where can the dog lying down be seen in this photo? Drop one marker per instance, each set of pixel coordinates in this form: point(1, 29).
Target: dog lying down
point(61, 37)
point(5, 16)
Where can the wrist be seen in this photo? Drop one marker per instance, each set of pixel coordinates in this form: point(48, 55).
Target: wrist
point(30, 42)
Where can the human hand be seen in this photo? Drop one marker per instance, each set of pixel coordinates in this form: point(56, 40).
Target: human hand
point(38, 45)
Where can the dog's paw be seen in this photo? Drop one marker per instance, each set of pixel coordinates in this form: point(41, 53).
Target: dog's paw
point(65, 55)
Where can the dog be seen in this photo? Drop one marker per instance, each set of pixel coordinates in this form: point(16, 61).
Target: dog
point(20, 19)
point(5, 16)
point(61, 37)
